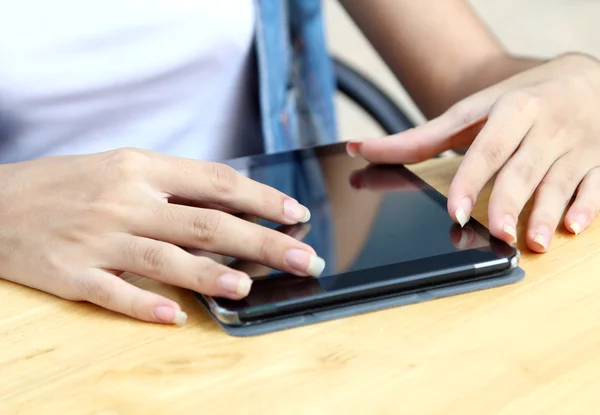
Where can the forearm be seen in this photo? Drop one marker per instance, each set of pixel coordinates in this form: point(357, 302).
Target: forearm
point(487, 74)
point(440, 51)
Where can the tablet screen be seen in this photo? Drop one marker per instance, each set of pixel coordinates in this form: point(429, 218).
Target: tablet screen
point(369, 223)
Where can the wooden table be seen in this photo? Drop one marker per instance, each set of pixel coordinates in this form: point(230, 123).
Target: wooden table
point(528, 348)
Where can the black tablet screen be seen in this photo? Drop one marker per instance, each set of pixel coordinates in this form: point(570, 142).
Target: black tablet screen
point(371, 224)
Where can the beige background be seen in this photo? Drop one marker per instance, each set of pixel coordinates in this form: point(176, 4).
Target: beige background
point(535, 27)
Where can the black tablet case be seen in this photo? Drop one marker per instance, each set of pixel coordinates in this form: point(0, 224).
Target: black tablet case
point(365, 307)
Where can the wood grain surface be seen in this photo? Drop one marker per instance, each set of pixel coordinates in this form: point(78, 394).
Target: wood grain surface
point(528, 348)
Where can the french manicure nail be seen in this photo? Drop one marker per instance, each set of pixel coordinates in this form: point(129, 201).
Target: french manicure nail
point(575, 227)
point(305, 262)
point(511, 231)
point(463, 211)
point(579, 224)
point(461, 216)
point(542, 237)
point(540, 240)
point(180, 318)
point(295, 211)
point(510, 227)
point(170, 315)
point(235, 284)
point(353, 148)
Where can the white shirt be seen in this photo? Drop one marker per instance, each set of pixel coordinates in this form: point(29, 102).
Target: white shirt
point(176, 76)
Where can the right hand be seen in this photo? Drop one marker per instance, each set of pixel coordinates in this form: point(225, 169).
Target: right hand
point(71, 225)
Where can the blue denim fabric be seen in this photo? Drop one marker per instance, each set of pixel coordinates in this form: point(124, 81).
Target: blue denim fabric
point(296, 81)
point(296, 89)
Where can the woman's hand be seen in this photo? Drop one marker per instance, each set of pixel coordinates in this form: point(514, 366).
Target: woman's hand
point(537, 132)
point(71, 225)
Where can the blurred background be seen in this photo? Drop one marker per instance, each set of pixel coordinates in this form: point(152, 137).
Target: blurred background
point(542, 28)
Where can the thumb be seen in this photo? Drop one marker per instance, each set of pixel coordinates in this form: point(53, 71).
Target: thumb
point(456, 128)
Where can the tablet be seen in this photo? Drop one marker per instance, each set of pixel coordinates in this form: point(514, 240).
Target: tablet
point(381, 230)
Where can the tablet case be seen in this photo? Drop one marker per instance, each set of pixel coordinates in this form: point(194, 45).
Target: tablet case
point(365, 307)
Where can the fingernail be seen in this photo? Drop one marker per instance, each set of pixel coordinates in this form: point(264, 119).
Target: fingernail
point(463, 211)
point(353, 148)
point(542, 238)
point(509, 230)
point(180, 318)
point(295, 211)
point(509, 227)
point(235, 284)
point(578, 225)
point(305, 262)
point(575, 227)
point(170, 315)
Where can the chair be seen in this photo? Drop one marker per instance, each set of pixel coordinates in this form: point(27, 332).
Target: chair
point(368, 96)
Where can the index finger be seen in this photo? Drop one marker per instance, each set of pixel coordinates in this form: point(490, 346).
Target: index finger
point(221, 184)
point(449, 131)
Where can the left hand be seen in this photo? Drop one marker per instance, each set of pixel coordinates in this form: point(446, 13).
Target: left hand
point(537, 132)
